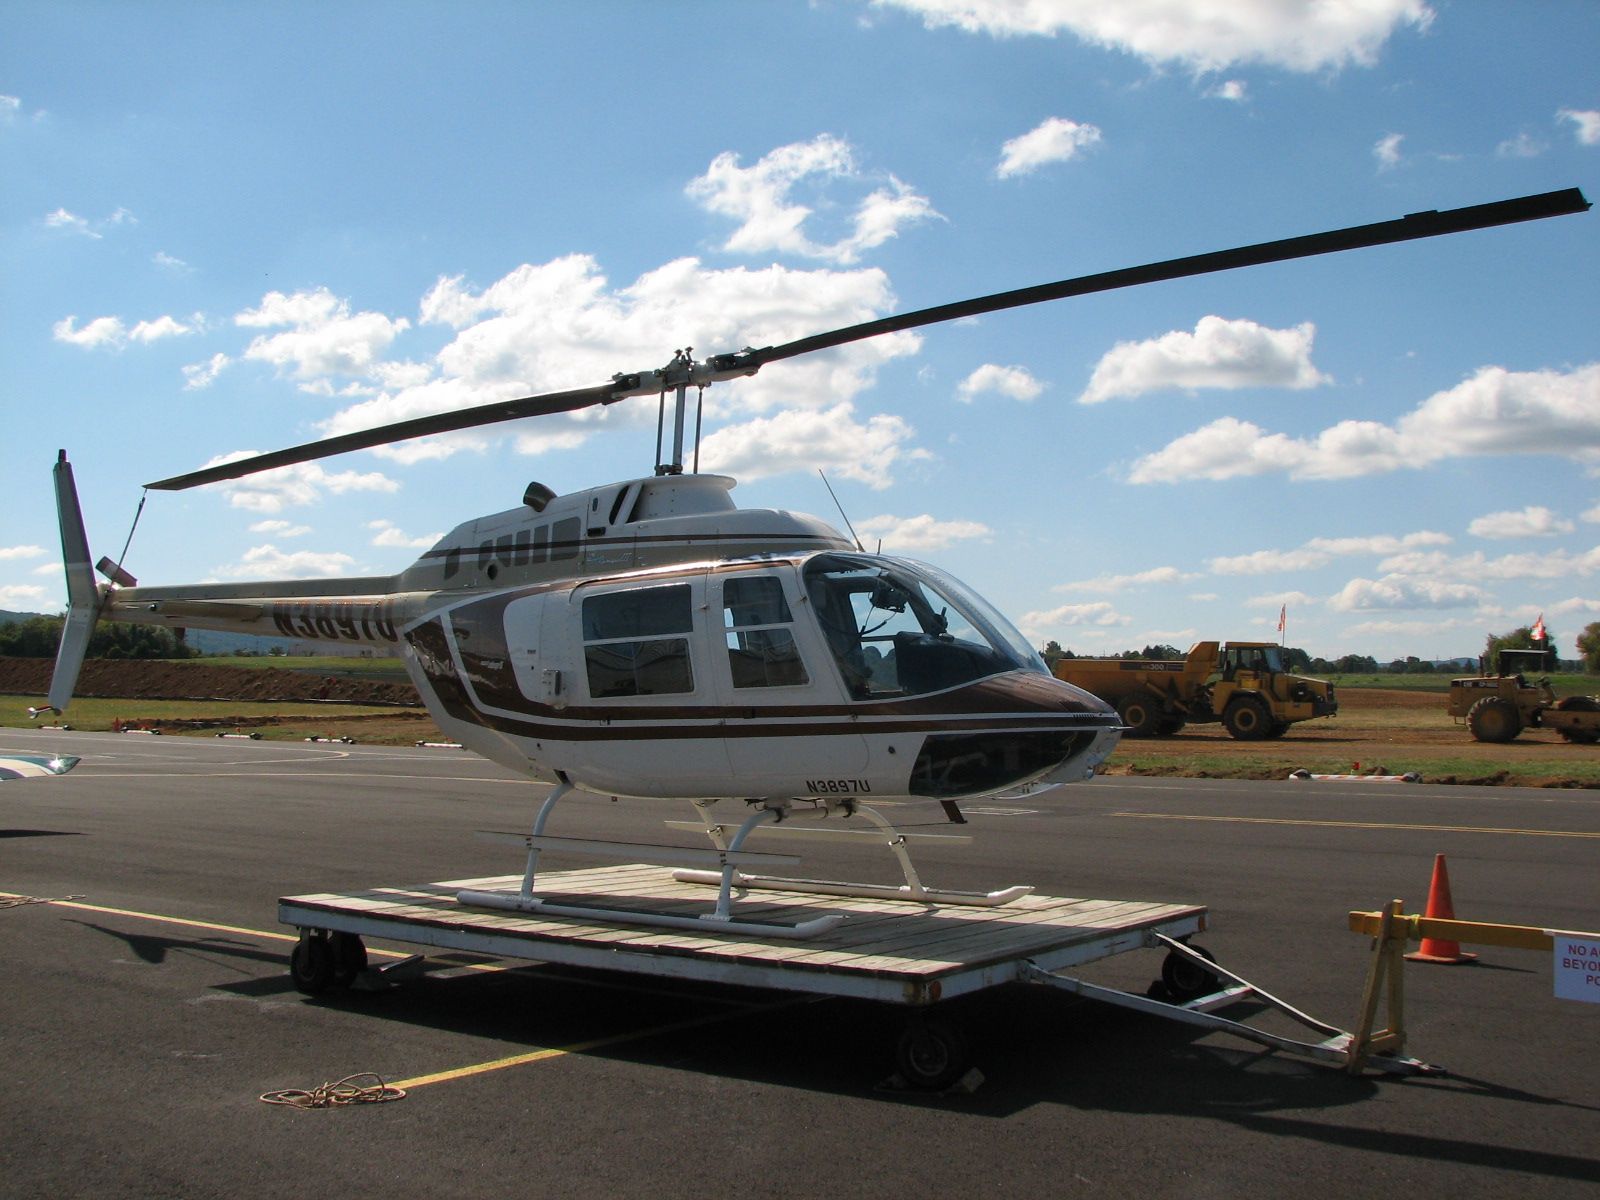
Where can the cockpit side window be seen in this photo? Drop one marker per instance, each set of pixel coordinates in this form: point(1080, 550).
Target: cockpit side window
point(755, 621)
point(627, 649)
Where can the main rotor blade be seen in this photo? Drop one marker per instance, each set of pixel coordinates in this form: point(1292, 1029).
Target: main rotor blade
point(400, 431)
point(1417, 225)
point(747, 362)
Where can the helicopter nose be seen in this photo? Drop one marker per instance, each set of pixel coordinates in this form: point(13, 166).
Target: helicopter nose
point(1027, 727)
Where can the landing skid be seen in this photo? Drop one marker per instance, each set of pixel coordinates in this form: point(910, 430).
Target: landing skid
point(779, 819)
point(721, 868)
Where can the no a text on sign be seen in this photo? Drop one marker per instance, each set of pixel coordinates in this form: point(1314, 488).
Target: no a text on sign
point(1576, 966)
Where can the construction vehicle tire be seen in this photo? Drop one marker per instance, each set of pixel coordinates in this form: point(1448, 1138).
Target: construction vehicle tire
point(1494, 719)
point(1247, 719)
point(1140, 714)
point(1168, 726)
point(1278, 729)
point(1583, 737)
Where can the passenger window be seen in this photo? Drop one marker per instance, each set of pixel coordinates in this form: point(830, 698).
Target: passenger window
point(761, 651)
point(564, 537)
point(626, 651)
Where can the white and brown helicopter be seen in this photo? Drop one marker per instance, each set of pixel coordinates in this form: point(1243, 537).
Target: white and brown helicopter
point(650, 639)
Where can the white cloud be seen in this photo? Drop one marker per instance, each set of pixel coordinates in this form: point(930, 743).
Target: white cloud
point(559, 325)
point(1495, 412)
point(387, 533)
point(280, 528)
point(1015, 382)
point(902, 535)
point(1524, 145)
point(112, 333)
point(1402, 592)
point(102, 331)
point(9, 107)
point(1591, 515)
point(1204, 35)
point(324, 337)
point(1533, 521)
point(1268, 562)
point(1282, 600)
point(1585, 122)
point(203, 375)
point(1230, 89)
point(1478, 567)
point(1044, 624)
point(268, 562)
point(15, 596)
point(161, 327)
point(759, 197)
point(803, 439)
point(1381, 543)
point(50, 568)
point(1318, 552)
point(13, 553)
point(293, 486)
point(1119, 583)
point(1055, 139)
point(168, 263)
point(1387, 150)
point(1218, 354)
point(71, 222)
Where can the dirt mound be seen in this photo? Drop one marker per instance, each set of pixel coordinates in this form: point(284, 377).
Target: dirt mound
point(150, 679)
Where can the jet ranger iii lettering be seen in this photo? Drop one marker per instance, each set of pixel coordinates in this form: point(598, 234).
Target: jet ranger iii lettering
point(650, 639)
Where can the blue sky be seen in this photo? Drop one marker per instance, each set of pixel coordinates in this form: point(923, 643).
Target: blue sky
point(243, 226)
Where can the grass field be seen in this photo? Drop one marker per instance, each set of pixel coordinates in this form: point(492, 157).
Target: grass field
point(289, 721)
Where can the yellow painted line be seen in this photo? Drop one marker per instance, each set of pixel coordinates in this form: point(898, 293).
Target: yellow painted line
point(1555, 833)
point(533, 1056)
point(499, 1064)
point(187, 922)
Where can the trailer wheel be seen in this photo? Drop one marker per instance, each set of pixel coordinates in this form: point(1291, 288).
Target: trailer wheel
point(311, 964)
point(349, 955)
point(1247, 719)
point(1580, 736)
point(1494, 719)
point(1186, 980)
point(1140, 715)
point(932, 1055)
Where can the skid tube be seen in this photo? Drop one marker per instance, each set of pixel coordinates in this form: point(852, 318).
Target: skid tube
point(1337, 1048)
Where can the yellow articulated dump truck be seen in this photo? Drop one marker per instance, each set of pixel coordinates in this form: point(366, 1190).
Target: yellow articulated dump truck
point(1241, 684)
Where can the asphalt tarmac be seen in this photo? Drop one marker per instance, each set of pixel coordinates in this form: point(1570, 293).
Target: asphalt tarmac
point(145, 1004)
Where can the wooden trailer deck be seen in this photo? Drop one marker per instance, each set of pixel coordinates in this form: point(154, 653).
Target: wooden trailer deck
point(887, 950)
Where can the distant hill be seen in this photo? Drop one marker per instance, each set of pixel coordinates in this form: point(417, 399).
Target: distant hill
point(7, 617)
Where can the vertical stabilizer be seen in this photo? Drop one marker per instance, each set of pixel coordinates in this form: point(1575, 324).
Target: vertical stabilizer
point(83, 594)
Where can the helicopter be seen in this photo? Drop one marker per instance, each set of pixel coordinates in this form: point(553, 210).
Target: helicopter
point(650, 639)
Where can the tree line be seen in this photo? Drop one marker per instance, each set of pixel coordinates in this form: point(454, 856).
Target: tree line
point(39, 637)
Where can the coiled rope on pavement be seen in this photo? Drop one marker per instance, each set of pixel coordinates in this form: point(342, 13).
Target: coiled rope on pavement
point(333, 1095)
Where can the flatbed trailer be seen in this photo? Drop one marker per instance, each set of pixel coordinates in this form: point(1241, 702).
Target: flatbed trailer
point(891, 951)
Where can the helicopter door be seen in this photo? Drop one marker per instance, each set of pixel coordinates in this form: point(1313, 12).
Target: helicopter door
point(643, 679)
point(773, 672)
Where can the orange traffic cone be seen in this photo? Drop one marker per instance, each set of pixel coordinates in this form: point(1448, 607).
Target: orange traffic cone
point(1440, 950)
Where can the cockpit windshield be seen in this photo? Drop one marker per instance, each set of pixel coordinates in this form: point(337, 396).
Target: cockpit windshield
point(899, 628)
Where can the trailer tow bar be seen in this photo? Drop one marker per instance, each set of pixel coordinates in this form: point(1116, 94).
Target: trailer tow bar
point(1338, 1048)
